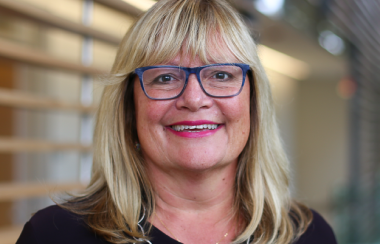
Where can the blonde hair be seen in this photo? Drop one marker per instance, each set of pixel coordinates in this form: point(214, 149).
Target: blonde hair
point(119, 189)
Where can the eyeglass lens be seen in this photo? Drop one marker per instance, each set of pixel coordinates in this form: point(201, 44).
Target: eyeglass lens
point(220, 80)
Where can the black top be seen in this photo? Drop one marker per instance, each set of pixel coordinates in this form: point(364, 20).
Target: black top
point(54, 225)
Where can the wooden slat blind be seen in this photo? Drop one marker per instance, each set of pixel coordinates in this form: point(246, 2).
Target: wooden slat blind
point(29, 55)
point(39, 15)
point(24, 145)
point(20, 99)
point(121, 6)
point(24, 190)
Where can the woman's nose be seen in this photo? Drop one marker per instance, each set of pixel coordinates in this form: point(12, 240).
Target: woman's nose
point(193, 97)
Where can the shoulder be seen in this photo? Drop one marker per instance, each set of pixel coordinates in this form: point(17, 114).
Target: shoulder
point(57, 225)
point(318, 232)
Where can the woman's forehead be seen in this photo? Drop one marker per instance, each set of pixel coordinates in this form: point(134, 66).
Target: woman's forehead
point(195, 62)
point(215, 52)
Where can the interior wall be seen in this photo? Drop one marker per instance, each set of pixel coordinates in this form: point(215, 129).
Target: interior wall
point(284, 91)
point(321, 144)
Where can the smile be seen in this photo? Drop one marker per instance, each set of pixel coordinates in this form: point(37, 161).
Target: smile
point(194, 128)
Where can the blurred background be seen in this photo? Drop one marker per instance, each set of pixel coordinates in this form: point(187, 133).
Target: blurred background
point(322, 58)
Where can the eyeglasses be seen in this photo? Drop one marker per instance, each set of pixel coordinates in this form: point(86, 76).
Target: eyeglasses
point(164, 82)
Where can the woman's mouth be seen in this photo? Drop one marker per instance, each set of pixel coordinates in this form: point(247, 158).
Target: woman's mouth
point(194, 128)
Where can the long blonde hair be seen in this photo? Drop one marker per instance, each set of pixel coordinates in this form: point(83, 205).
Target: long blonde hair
point(119, 189)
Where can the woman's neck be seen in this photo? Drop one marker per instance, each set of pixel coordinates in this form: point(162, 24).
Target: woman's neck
point(189, 203)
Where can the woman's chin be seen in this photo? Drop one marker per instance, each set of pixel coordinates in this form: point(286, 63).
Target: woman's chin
point(199, 163)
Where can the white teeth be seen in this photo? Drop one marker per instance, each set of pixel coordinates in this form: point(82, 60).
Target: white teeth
point(192, 127)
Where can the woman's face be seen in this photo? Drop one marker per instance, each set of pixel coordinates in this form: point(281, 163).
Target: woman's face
point(168, 149)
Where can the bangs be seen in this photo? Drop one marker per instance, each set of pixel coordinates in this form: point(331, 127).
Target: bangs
point(190, 29)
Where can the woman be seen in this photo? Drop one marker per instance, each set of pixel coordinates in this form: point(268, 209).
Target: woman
point(186, 144)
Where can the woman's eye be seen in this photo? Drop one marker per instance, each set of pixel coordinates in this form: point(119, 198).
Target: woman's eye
point(164, 78)
point(221, 76)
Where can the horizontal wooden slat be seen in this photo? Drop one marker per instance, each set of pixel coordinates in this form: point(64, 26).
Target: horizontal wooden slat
point(14, 191)
point(22, 99)
point(30, 12)
point(121, 6)
point(9, 235)
point(12, 145)
point(28, 55)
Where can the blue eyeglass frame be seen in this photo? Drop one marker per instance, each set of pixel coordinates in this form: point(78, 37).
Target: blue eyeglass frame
point(195, 70)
